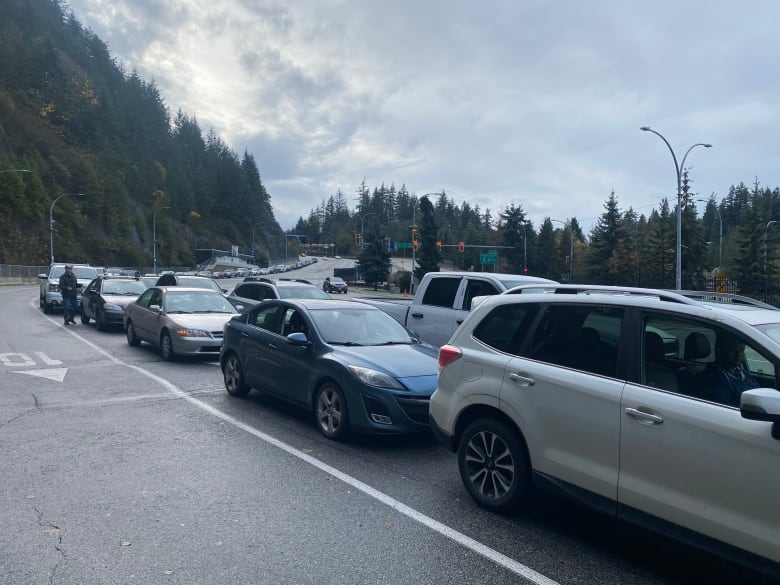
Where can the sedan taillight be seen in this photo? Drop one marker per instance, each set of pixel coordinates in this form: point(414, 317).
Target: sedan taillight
point(447, 355)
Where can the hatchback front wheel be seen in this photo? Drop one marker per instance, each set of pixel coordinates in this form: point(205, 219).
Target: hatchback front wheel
point(330, 412)
point(493, 464)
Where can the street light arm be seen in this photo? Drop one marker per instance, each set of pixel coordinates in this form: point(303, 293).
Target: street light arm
point(669, 146)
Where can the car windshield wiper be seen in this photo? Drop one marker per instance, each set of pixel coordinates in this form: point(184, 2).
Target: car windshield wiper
point(347, 343)
point(394, 343)
point(180, 312)
point(212, 311)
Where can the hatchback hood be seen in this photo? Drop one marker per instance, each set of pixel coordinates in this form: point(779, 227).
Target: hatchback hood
point(400, 361)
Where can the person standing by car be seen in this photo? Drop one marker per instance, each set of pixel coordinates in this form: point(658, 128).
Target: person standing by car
point(68, 288)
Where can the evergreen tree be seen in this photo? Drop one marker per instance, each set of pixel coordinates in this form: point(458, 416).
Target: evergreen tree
point(427, 256)
point(374, 259)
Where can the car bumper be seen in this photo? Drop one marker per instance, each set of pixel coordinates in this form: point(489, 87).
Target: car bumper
point(383, 412)
point(196, 346)
point(443, 437)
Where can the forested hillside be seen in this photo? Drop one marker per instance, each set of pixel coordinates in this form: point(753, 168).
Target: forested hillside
point(82, 124)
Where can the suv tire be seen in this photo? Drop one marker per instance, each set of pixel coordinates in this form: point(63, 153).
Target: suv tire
point(493, 464)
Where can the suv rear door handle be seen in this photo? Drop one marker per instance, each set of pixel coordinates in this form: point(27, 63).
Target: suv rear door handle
point(646, 418)
point(417, 315)
point(521, 380)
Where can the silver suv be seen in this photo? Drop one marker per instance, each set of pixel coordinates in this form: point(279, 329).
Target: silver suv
point(653, 406)
point(50, 297)
point(254, 290)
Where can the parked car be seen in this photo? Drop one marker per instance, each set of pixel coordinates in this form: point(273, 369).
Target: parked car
point(335, 284)
point(189, 280)
point(254, 290)
point(50, 297)
point(105, 298)
point(179, 320)
point(353, 366)
point(614, 396)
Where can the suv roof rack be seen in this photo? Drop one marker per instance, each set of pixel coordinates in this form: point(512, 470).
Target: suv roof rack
point(725, 298)
point(586, 289)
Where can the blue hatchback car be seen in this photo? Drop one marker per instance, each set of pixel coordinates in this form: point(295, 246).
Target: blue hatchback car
point(352, 365)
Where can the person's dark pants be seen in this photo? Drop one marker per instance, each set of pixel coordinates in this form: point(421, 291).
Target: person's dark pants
point(68, 308)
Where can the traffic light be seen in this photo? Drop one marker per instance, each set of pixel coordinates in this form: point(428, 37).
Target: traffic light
point(414, 235)
point(461, 246)
point(415, 244)
point(357, 238)
point(525, 269)
point(438, 245)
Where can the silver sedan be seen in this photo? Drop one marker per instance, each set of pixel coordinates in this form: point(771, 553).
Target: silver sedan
point(179, 320)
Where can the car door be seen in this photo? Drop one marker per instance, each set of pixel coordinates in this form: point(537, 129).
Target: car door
point(90, 297)
point(698, 464)
point(474, 287)
point(144, 318)
point(566, 396)
point(293, 363)
point(433, 318)
point(256, 346)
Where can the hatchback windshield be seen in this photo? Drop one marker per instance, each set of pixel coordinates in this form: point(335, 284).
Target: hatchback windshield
point(359, 327)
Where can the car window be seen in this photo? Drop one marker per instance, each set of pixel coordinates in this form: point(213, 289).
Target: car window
point(293, 322)
point(301, 292)
point(693, 351)
point(441, 292)
point(145, 299)
point(265, 317)
point(477, 288)
point(199, 282)
point(123, 287)
point(84, 272)
point(248, 291)
point(583, 337)
point(504, 327)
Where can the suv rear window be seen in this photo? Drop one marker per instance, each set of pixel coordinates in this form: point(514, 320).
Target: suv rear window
point(505, 326)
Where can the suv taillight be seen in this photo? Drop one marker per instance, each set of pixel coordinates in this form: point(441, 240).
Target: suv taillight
point(447, 355)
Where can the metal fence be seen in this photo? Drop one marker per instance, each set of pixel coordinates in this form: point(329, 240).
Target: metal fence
point(13, 274)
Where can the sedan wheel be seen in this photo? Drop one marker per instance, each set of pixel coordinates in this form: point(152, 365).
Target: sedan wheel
point(84, 317)
point(166, 347)
point(330, 412)
point(99, 322)
point(493, 464)
point(234, 377)
point(132, 338)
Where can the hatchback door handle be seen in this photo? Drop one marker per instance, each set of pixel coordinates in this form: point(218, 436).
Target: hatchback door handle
point(272, 346)
point(521, 380)
point(646, 418)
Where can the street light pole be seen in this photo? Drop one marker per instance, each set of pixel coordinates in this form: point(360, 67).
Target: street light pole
point(679, 168)
point(525, 247)
point(720, 246)
point(571, 246)
point(154, 236)
point(51, 221)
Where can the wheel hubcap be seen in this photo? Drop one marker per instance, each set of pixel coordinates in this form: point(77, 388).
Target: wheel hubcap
point(490, 466)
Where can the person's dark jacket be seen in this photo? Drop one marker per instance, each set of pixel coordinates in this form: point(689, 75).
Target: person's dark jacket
point(68, 284)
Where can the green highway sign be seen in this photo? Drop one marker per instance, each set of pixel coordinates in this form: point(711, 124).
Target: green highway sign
point(489, 257)
point(402, 245)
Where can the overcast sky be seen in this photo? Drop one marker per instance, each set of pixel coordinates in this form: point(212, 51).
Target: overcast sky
point(531, 102)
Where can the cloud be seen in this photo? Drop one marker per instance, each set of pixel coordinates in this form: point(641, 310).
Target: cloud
point(536, 103)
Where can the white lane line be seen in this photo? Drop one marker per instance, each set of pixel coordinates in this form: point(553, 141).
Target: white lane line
point(460, 538)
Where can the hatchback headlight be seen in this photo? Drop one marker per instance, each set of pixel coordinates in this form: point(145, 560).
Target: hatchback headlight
point(375, 378)
point(182, 332)
point(112, 307)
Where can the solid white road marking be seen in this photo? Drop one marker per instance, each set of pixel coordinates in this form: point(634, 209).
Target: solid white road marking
point(56, 374)
point(460, 538)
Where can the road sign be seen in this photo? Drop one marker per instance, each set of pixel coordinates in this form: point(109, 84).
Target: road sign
point(403, 245)
point(489, 257)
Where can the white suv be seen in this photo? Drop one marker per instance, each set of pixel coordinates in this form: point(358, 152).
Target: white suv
point(614, 397)
point(50, 297)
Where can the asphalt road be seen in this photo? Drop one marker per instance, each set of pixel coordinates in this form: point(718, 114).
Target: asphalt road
point(117, 467)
